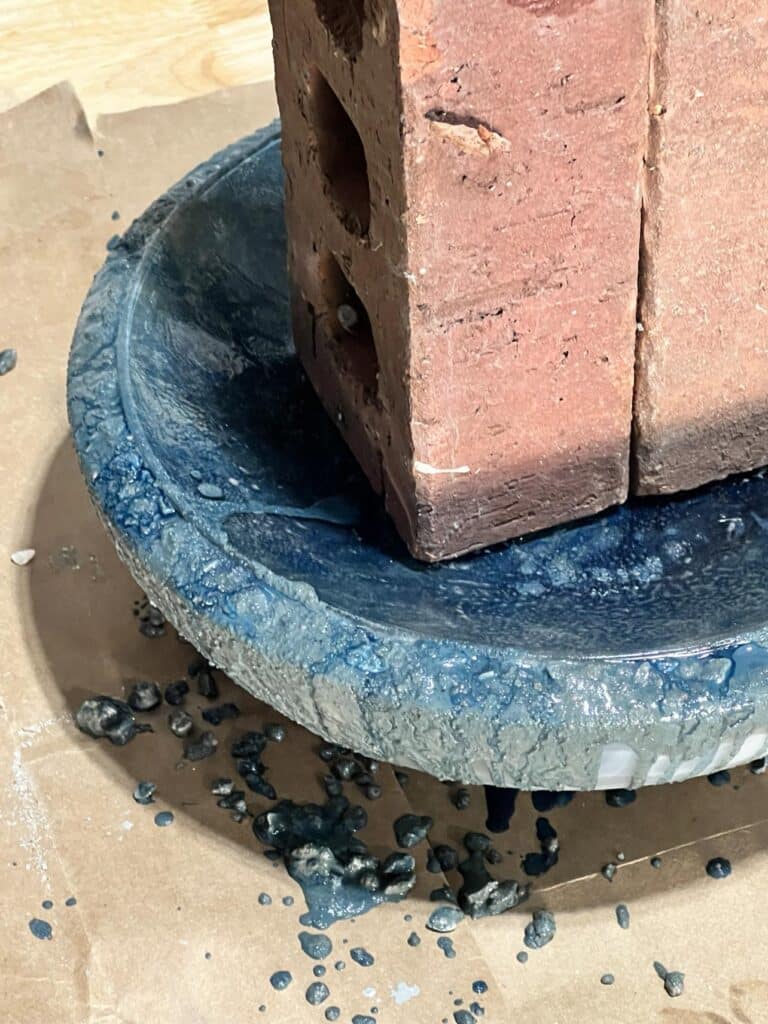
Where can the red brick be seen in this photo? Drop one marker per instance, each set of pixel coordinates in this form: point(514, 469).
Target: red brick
point(493, 243)
point(702, 386)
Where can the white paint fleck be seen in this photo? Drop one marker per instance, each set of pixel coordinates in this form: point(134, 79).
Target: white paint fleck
point(618, 762)
point(402, 992)
point(23, 557)
point(424, 467)
point(370, 992)
point(126, 826)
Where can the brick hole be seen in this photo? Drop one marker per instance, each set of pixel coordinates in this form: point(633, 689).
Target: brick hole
point(344, 20)
point(348, 322)
point(342, 157)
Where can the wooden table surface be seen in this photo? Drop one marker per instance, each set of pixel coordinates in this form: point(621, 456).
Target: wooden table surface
point(122, 54)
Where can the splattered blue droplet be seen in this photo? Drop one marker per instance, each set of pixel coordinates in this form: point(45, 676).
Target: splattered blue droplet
point(265, 899)
point(47, 904)
point(40, 929)
point(318, 947)
point(719, 867)
point(70, 902)
point(413, 939)
point(522, 957)
point(464, 1017)
point(332, 1013)
point(479, 987)
point(607, 979)
point(622, 915)
point(361, 956)
point(446, 945)
point(317, 993)
point(164, 818)
point(287, 901)
point(281, 980)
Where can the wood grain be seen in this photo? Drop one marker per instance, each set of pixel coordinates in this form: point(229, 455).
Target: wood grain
point(123, 54)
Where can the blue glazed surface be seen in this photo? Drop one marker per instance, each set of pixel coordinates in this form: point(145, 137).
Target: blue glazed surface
point(622, 650)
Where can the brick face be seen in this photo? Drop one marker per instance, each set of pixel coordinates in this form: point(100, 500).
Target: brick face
point(468, 184)
point(701, 409)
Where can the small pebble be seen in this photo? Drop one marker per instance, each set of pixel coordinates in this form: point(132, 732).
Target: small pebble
point(180, 722)
point(222, 787)
point(361, 956)
point(522, 957)
point(373, 792)
point(656, 862)
point(318, 970)
point(608, 871)
point(281, 980)
point(265, 899)
point(221, 713)
point(620, 797)
point(721, 778)
point(674, 981)
point(445, 919)
point(108, 718)
point(144, 696)
point(447, 858)
point(607, 979)
point(288, 901)
point(758, 766)
point(8, 358)
point(718, 867)
point(145, 792)
point(332, 1013)
point(71, 901)
point(476, 842)
point(208, 490)
point(206, 684)
point(540, 930)
point(461, 799)
point(204, 746)
point(442, 894)
point(402, 778)
point(40, 929)
point(464, 1017)
point(480, 987)
point(411, 829)
point(164, 818)
point(413, 939)
point(115, 215)
point(274, 732)
point(345, 769)
point(317, 993)
point(47, 904)
point(622, 915)
point(339, 965)
point(23, 557)
point(176, 692)
point(543, 800)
